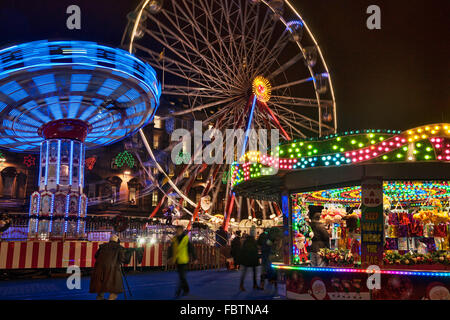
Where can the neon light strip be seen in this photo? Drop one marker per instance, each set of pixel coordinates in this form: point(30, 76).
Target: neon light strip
point(353, 270)
point(37, 213)
point(154, 90)
point(71, 165)
point(51, 213)
point(247, 132)
point(80, 167)
point(58, 164)
point(29, 213)
point(46, 164)
point(40, 164)
point(67, 212)
point(79, 214)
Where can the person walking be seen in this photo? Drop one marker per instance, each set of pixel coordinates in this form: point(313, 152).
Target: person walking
point(180, 251)
point(266, 250)
point(169, 214)
point(248, 258)
point(320, 240)
point(107, 274)
point(235, 249)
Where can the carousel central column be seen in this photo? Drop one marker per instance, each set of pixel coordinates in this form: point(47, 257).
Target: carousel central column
point(59, 206)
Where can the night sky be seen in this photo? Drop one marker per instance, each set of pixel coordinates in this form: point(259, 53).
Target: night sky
point(393, 78)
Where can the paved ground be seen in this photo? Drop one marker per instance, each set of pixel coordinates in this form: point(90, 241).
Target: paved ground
point(158, 285)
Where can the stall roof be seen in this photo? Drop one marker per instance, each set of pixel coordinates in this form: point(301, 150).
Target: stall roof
point(422, 153)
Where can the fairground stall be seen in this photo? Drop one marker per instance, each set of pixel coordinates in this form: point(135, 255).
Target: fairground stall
point(384, 199)
point(58, 99)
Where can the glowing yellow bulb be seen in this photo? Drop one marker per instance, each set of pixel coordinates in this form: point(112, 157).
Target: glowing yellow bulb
point(262, 88)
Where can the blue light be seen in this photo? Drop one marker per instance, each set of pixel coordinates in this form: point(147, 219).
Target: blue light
point(80, 82)
point(14, 91)
point(71, 163)
point(131, 95)
point(67, 212)
point(46, 162)
point(247, 131)
point(55, 67)
point(108, 87)
point(88, 112)
point(54, 107)
point(51, 212)
point(58, 164)
point(45, 83)
point(74, 106)
point(355, 270)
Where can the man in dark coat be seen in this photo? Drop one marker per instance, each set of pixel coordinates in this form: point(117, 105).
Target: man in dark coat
point(180, 252)
point(235, 248)
point(320, 240)
point(107, 274)
point(248, 258)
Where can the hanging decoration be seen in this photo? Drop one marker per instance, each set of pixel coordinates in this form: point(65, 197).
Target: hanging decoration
point(90, 162)
point(124, 158)
point(29, 160)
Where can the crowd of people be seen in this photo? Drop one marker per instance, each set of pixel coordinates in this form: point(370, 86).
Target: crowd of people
point(248, 251)
point(251, 250)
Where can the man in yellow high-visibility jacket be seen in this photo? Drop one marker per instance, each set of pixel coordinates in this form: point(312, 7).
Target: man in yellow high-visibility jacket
point(180, 251)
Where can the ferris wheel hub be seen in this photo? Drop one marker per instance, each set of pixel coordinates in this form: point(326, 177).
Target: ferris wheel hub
point(262, 88)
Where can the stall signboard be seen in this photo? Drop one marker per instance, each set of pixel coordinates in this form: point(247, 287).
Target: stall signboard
point(372, 221)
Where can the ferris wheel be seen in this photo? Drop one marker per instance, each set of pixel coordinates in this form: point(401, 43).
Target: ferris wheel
point(237, 63)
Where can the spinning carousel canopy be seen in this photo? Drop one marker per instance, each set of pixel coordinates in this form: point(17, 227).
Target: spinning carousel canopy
point(110, 90)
